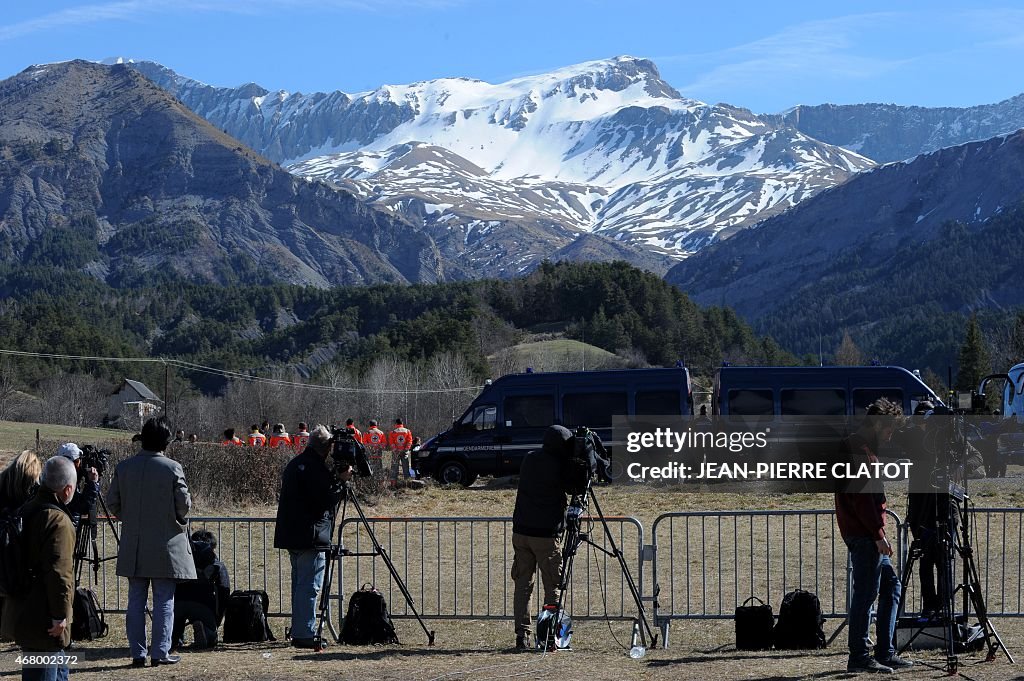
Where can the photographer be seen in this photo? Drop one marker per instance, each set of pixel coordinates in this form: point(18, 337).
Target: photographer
point(83, 505)
point(926, 443)
point(537, 525)
point(305, 521)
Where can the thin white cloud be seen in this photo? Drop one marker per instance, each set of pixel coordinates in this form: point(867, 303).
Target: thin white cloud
point(815, 49)
point(130, 10)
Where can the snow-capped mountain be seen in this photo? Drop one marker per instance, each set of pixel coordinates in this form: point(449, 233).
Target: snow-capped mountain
point(604, 147)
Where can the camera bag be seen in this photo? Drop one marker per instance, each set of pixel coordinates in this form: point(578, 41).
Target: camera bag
point(87, 623)
point(368, 620)
point(246, 618)
point(755, 625)
point(800, 625)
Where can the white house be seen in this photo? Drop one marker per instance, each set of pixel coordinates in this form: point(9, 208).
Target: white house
point(134, 403)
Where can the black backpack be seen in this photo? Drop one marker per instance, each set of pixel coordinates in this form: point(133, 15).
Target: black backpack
point(754, 625)
point(87, 623)
point(246, 618)
point(800, 622)
point(15, 575)
point(368, 620)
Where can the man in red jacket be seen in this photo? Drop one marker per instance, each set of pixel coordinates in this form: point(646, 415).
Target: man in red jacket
point(860, 512)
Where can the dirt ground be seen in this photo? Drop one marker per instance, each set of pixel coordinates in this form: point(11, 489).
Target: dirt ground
point(482, 650)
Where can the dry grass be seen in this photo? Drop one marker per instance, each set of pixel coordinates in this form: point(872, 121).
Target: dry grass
point(481, 650)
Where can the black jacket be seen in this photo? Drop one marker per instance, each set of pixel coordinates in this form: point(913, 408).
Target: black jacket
point(540, 499)
point(305, 513)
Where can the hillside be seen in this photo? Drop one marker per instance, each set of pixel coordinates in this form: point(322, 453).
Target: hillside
point(888, 255)
point(105, 173)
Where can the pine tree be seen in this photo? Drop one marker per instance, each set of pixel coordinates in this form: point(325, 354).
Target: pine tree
point(1017, 340)
point(848, 354)
point(975, 361)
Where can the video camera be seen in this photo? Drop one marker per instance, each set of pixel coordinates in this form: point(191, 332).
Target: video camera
point(92, 457)
point(587, 460)
point(347, 450)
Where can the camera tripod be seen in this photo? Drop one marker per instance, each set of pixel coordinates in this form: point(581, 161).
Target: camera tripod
point(953, 544)
point(575, 537)
point(338, 550)
point(86, 545)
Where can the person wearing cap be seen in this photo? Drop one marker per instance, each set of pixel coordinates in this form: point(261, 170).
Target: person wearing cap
point(149, 495)
point(83, 504)
point(537, 524)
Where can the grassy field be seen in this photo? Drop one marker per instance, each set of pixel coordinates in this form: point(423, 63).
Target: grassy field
point(552, 355)
point(16, 436)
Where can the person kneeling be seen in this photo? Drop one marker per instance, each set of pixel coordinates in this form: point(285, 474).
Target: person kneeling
point(202, 602)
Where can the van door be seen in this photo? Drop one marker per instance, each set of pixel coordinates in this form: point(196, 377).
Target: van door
point(526, 414)
point(474, 441)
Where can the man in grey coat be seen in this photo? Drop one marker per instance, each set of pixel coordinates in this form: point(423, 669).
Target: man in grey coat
point(149, 495)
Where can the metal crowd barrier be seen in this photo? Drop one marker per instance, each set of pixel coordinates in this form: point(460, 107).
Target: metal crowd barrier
point(454, 567)
point(707, 564)
point(703, 564)
point(459, 567)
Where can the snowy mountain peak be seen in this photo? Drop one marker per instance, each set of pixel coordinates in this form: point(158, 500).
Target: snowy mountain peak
point(603, 147)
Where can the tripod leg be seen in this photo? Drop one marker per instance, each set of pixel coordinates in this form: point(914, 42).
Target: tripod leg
point(634, 591)
point(379, 550)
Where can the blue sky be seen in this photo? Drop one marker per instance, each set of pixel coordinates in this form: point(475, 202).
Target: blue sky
point(760, 55)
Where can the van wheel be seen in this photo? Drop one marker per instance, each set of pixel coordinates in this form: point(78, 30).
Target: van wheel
point(454, 472)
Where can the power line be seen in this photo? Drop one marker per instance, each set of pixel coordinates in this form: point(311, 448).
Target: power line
point(226, 373)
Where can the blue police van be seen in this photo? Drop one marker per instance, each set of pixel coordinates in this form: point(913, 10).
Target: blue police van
point(814, 391)
point(509, 417)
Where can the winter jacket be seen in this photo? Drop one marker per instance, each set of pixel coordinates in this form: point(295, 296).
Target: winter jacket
point(540, 499)
point(149, 495)
point(50, 542)
point(305, 512)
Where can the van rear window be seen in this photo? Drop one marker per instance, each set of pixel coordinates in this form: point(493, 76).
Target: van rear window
point(658, 403)
point(529, 411)
point(863, 398)
point(813, 402)
point(751, 402)
point(594, 410)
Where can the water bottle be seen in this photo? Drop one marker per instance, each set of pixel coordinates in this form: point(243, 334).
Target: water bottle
point(636, 652)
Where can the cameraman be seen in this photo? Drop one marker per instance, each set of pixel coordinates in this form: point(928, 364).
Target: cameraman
point(305, 521)
point(925, 443)
point(537, 525)
point(83, 504)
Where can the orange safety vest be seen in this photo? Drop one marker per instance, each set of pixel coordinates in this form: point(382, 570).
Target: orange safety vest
point(355, 432)
point(233, 441)
point(375, 438)
point(400, 439)
point(257, 439)
point(280, 440)
point(300, 440)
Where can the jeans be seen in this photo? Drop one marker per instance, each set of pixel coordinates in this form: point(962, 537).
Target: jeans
point(307, 578)
point(873, 577)
point(50, 673)
point(163, 616)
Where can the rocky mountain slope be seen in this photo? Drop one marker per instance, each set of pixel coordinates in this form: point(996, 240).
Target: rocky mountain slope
point(866, 225)
point(104, 171)
point(889, 132)
point(603, 148)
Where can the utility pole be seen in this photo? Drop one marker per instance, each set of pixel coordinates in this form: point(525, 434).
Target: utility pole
point(167, 379)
